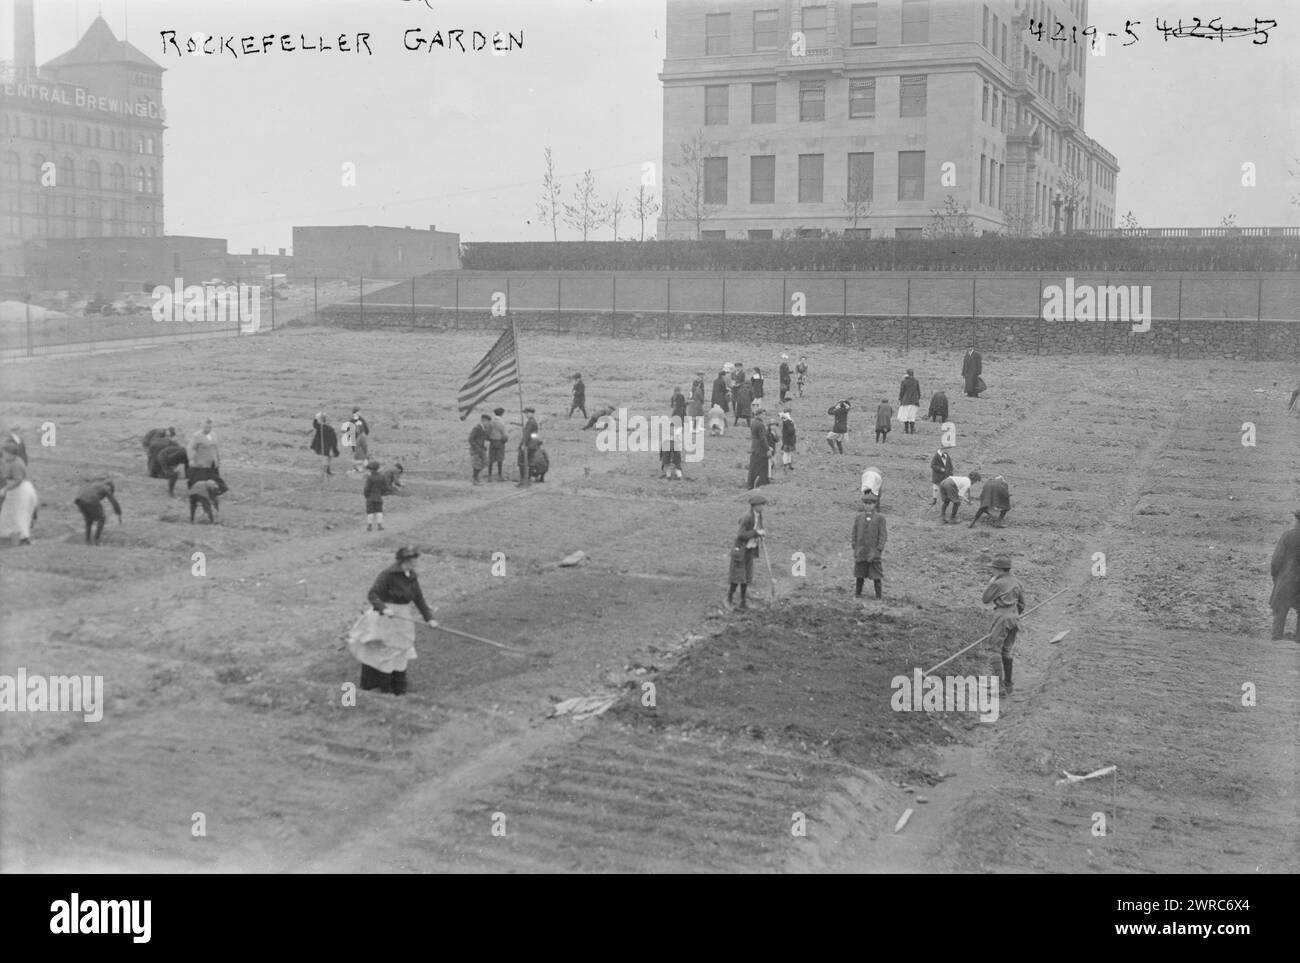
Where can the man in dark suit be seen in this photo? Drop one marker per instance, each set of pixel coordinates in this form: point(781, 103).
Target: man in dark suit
point(759, 449)
point(972, 366)
point(527, 445)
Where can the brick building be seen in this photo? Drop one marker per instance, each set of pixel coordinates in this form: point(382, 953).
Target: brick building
point(81, 142)
point(865, 117)
point(379, 252)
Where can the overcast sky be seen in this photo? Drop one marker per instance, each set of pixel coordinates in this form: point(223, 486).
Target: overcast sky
point(256, 144)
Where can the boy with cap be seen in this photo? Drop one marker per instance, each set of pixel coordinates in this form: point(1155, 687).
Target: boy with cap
point(954, 490)
point(478, 446)
point(940, 468)
point(1007, 596)
point(497, 438)
point(89, 500)
point(884, 420)
point(909, 400)
point(783, 373)
point(994, 494)
point(745, 549)
point(801, 370)
point(527, 445)
point(787, 438)
point(840, 412)
point(579, 402)
point(373, 491)
point(360, 440)
point(868, 546)
point(205, 494)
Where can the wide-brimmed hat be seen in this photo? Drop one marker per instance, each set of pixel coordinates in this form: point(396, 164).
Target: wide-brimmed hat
point(1002, 562)
point(372, 465)
point(498, 411)
point(869, 499)
point(757, 498)
point(407, 552)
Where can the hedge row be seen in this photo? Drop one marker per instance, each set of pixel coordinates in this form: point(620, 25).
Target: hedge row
point(1074, 253)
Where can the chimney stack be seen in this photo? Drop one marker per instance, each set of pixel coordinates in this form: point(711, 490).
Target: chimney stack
point(25, 38)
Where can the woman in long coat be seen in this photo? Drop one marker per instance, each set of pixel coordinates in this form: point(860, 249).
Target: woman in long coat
point(745, 549)
point(719, 396)
point(695, 410)
point(324, 440)
point(743, 397)
point(20, 498)
point(383, 639)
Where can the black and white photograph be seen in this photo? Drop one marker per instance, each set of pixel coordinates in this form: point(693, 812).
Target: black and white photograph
point(615, 437)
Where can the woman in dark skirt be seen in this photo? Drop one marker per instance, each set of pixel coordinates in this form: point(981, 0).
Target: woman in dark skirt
point(373, 492)
point(324, 440)
point(383, 639)
point(746, 549)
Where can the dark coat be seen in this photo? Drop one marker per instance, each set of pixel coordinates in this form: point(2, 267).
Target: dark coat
point(884, 417)
point(539, 463)
point(530, 429)
point(719, 396)
point(758, 437)
point(373, 492)
point(679, 405)
point(841, 415)
point(172, 458)
point(869, 536)
point(95, 492)
point(153, 433)
point(784, 374)
point(940, 467)
point(909, 392)
point(395, 587)
point(742, 557)
point(995, 494)
point(972, 366)
point(160, 444)
point(787, 434)
point(938, 406)
point(580, 393)
point(744, 399)
point(1285, 569)
point(324, 440)
point(756, 385)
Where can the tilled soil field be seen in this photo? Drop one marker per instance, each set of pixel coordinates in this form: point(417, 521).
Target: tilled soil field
point(763, 740)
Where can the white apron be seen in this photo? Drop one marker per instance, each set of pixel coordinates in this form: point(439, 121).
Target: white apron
point(384, 643)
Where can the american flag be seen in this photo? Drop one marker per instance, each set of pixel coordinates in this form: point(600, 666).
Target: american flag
point(498, 369)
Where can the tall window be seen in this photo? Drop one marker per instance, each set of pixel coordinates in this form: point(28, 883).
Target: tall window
point(983, 164)
point(811, 168)
point(117, 178)
point(862, 24)
point(139, 180)
point(862, 98)
point(11, 166)
point(715, 180)
point(766, 31)
point(993, 182)
point(995, 108)
point(715, 104)
point(984, 105)
point(67, 173)
point(150, 183)
point(1002, 181)
point(1004, 43)
point(762, 105)
point(911, 175)
point(717, 33)
point(996, 52)
point(916, 21)
point(862, 176)
point(38, 164)
point(985, 34)
point(814, 27)
point(93, 178)
point(911, 96)
point(812, 100)
point(762, 179)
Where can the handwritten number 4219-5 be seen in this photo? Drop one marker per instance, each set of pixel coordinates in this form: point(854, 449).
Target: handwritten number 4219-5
point(1214, 30)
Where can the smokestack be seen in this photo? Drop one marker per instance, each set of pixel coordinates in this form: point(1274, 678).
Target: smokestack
point(25, 38)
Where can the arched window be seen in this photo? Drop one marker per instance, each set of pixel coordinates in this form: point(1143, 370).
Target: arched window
point(139, 180)
point(139, 145)
point(67, 173)
point(117, 178)
point(38, 165)
point(93, 178)
point(149, 145)
point(150, 183)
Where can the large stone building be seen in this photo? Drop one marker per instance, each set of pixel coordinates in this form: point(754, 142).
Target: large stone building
point(810, 116)
point(81, 142)
point(350, 251)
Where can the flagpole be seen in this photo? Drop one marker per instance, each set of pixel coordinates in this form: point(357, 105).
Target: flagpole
point(527, 480)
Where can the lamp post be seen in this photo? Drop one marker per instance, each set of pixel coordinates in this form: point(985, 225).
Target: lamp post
point(1069, 215)
point(1057, 200)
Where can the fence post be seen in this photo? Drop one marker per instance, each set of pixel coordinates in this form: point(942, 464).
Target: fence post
point(972, 298)
point(724, 294)
point(559, 299)
point(455, 318)
point(272, 303)
point(1180, 297)
point(361, 298)
point(1105, 322)
point(29, 325)
point(909, 297)
point(412, 300)
point(668, 301)
point(846, 295)
point(315, 300)
point(1038, 316)
point(1259, 315)
point(907, 334)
